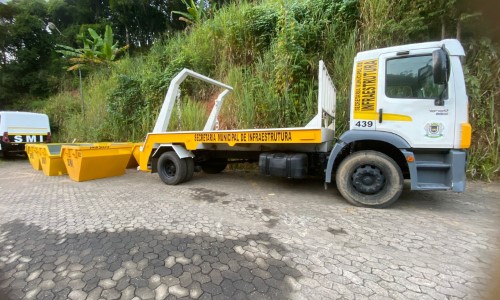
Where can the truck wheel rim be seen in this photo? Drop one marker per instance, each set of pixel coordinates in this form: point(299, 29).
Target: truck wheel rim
point(170, 169)
point(368, 180)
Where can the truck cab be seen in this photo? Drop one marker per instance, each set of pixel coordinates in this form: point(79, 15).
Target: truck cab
point(395, 90)
point(409, 104)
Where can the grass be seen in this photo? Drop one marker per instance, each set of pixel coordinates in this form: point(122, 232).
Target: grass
point(483, 87)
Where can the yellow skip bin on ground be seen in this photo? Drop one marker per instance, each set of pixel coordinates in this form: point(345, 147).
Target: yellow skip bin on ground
point(33, 156)
point(135, 157)
point(95, 161)
point(51, 159)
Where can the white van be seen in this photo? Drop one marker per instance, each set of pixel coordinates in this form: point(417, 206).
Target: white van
point(19, 128)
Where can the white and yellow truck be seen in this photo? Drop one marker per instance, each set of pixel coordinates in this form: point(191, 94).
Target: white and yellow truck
point(408, 120)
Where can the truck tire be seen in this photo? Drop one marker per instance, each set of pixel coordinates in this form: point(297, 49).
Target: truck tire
point(171, 168)
point(369, 179)
point(214, 166)
point(189, 168)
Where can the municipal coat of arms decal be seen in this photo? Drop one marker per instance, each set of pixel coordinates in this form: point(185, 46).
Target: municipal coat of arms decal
point(434, 130)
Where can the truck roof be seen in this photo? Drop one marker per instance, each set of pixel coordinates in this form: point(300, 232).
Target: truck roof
point(452, 46)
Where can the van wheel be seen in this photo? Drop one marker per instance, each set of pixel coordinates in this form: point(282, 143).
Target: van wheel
point(214, 166)
point(369, 179)
point(171, 168)
point(4, 154)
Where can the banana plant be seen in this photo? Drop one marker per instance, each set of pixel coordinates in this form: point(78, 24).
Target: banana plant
point(195, 13)
point(95, 51)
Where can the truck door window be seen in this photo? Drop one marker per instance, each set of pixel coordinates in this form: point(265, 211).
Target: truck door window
point(411, 77)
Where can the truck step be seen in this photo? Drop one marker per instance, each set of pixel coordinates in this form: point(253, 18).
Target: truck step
point(432, 165)
point(432, 186)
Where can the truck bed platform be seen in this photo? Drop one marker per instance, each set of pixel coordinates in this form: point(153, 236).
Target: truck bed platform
point(275, 139)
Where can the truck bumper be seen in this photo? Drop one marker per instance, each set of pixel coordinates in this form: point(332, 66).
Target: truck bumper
point(437, 170)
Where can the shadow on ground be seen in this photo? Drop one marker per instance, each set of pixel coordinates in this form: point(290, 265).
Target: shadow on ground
point(14, 157)
point(37, 263)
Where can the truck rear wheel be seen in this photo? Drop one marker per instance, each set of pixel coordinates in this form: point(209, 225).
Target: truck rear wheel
point(214, 166)
point(369, 179)
point(171, 168)
point(189, 168)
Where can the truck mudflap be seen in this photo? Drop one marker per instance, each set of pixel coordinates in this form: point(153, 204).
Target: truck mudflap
point(333, 155)
point(179, 150)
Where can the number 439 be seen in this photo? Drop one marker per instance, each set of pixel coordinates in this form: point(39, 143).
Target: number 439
point(364, 124)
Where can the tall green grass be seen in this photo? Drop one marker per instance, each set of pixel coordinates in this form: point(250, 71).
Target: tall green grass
point(188, 115)
point(71, 122)
point(483, 87)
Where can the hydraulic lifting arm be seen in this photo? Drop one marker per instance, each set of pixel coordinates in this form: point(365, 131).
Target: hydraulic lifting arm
point(173, 90)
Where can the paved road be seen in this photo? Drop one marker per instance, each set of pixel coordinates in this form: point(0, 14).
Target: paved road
point(236, 235)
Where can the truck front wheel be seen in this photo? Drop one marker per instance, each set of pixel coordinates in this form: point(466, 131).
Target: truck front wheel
point(171, 168)
point(369, 179)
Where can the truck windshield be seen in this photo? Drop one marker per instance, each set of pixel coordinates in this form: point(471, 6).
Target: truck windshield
point(412, 78)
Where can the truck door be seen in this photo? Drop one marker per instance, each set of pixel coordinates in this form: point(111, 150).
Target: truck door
point(406, 100)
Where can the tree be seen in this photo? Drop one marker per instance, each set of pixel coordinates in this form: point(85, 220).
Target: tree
point(141, 22)
point(195, 12)
point(73, 15)
point(29, 65)
point(95, 51)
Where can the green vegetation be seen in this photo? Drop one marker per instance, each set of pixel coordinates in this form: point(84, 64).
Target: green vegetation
point(483, 88)
point(97, 51)
point(195, 12)
point(30, 67)
point(269, 51)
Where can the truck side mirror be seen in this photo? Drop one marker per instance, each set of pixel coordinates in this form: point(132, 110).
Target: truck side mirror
point(439, 66)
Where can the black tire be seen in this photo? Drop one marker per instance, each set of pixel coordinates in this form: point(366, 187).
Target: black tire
point(189, 168)
point(171, 168)
point(5, 154)
point(369, 179)
point(214, 166)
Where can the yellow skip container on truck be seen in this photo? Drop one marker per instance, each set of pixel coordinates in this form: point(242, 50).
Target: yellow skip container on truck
point(408, 120)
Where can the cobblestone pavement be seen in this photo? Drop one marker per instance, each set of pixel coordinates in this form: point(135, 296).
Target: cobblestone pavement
point(236, 235)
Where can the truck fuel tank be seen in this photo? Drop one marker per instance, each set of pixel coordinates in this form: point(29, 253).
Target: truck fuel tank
point(288, 165)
